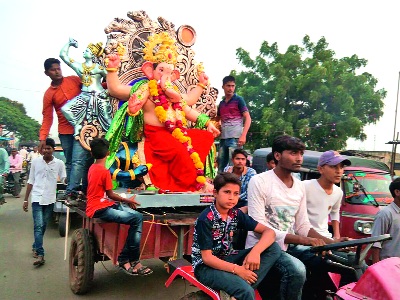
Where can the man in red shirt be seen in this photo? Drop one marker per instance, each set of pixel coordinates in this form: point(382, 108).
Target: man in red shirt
point(103, 203)
point(61, 90)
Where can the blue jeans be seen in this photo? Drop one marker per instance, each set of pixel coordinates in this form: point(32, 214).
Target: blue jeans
point(41, 216)
point(67, 142)
point(123, 214)
point(232, 284)
point(285, 280)
point(318, 268)
point(2, 179)
point(226, 148)
point(81, 161)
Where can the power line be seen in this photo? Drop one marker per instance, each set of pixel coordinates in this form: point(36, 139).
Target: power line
point(24, 90)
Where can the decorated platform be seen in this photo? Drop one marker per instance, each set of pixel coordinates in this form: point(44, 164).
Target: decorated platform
point(150, 199)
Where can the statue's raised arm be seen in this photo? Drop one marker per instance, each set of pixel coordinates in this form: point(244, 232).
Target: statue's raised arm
point(64, 55)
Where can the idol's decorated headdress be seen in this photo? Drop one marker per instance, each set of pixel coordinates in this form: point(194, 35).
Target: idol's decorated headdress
point(97, 49)
point(160, 48)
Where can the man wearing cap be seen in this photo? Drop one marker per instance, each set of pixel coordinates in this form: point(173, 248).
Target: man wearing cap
point(324, 196)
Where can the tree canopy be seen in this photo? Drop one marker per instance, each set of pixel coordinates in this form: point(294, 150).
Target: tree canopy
point(14, 118)
point(308, 93)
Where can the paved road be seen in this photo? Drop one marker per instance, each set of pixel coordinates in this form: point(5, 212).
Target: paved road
point(19, 279)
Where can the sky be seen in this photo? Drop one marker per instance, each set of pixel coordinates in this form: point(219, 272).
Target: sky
point(32, 31)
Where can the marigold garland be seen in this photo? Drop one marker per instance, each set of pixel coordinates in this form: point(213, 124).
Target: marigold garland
point(176, 124)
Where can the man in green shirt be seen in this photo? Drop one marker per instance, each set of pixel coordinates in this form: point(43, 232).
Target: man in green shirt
point(4, 169)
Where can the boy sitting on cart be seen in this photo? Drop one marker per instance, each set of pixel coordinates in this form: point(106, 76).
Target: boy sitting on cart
point(215, 262)
point(101, 204)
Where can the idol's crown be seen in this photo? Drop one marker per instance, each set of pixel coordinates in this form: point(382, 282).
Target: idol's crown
point(160, 48)
point(97, 49)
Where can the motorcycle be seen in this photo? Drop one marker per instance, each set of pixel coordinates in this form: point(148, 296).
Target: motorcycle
point(9, 184)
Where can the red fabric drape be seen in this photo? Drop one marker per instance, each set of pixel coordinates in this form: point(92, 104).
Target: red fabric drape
point(173, 169)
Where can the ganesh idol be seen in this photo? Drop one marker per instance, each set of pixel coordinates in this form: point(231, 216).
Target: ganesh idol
point(177, 154)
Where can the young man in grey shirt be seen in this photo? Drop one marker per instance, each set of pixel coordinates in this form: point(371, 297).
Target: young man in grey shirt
point(388, 221)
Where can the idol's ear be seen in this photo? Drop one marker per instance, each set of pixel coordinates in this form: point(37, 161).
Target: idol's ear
point(175, 75)
point(148, 70)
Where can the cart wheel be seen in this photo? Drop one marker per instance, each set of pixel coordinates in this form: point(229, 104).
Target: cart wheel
point(199, 295)
point(62, 224)
point(81, 261)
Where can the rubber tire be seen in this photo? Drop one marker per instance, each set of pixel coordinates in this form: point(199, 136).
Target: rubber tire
point(199, 295)
point(81, 261)
point(62, 224)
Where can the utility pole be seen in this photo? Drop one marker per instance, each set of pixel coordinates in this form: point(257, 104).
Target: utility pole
point(393, 159)
point(395, 141)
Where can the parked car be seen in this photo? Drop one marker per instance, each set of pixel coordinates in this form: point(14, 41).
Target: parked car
point(365, 186)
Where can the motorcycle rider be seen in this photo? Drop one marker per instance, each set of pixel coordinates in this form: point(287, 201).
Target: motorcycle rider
point(15, 170)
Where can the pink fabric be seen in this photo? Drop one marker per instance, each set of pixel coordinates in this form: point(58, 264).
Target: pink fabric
point(380, 282)
point(16, 162)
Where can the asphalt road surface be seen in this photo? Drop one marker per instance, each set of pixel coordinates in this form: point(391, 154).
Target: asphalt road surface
point(19, 279)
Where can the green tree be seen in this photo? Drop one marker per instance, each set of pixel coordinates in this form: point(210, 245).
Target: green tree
point(14, 118)
point(308, 93)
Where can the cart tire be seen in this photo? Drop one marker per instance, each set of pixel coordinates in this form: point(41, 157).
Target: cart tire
point(199, 295)
point(81, 261)
point(62, 224)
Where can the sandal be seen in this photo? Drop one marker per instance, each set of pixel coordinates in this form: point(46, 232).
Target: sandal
point(34, 253)
point(142, 271)
point(39, 262)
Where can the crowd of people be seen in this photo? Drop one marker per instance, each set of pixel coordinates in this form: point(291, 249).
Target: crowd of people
point(257, 233)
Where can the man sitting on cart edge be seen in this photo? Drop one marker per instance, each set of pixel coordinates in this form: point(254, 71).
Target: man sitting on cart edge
point(101, 204)
point(215, 262)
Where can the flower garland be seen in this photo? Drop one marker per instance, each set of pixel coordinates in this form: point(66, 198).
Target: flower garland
point(176, 123)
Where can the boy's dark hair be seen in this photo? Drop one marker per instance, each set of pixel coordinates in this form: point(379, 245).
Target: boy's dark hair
point(286, 142)
point(99, 148)
point(224, 178)
point(239, 151)
point(270, 157)
point(227, 79)
point(49, 62)
point(394, 185)
point(50, 142)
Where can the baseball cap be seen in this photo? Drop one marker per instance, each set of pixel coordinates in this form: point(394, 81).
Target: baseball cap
point(332, 158)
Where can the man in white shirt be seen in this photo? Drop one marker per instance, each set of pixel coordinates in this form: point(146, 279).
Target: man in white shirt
point(23, 152)
point(31, 156)
point(278, 200)
point(45, 171)
point(324, 197)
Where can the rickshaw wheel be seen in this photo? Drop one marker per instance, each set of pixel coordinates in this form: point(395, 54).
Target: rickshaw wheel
point(81, 261)
point(62, 224)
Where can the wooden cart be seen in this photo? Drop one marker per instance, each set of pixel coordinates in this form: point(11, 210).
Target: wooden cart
point(167, 232)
